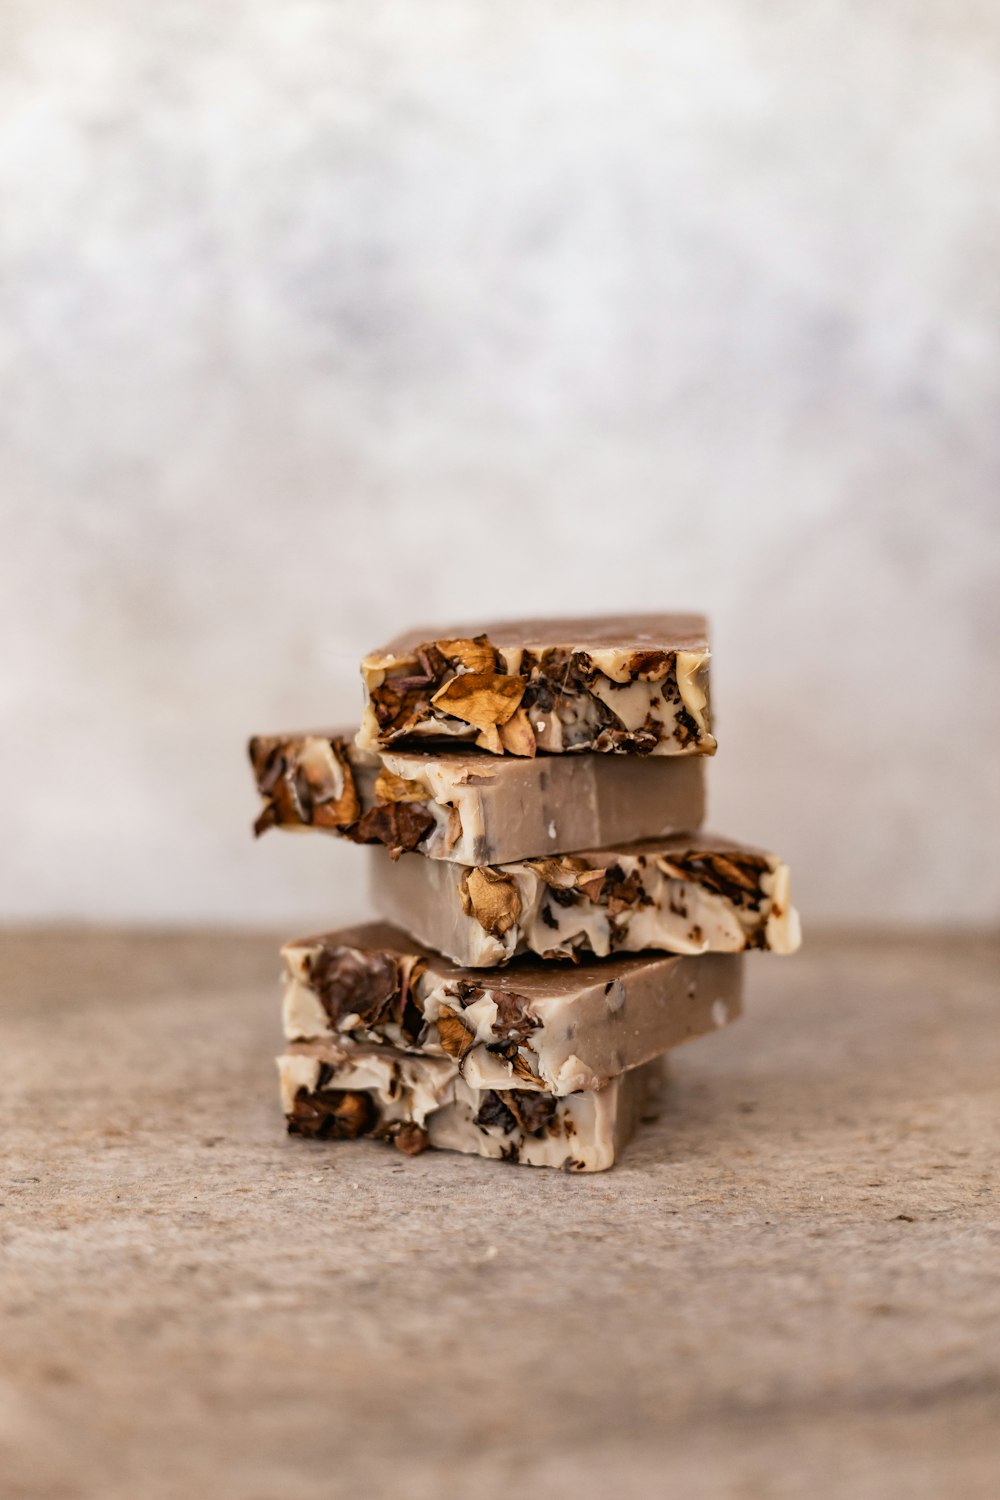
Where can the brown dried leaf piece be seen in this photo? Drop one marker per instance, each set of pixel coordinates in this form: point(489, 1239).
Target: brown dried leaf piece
point(400, 826)
point(517, 736)
point(411, 1138)
point(490, 897)
point(454, 1036)
point(350, 982)
point(483, 699)
point(570, 873)
point(392, 788)
point(332, 1114)
point(477, 655)
point(304, 781)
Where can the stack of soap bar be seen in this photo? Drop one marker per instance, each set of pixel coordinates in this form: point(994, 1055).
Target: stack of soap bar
point(558, 921)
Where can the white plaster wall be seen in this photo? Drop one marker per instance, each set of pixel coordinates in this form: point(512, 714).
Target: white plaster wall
point(317, 317)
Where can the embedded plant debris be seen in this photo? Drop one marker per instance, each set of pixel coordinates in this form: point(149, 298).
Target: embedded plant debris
point(310, 784)
point(333, 1114)
point(676, 894)
point(491, 897)
point(517, 699)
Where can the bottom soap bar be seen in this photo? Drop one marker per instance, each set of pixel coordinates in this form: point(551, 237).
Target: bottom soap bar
point(331, 1092)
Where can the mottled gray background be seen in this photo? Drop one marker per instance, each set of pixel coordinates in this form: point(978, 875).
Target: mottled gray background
point(316, 317)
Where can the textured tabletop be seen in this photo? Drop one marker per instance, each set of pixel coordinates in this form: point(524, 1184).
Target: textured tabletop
point(789, 1286)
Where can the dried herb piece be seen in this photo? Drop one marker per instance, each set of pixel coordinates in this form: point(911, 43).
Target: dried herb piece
point(491, 897)
point(332, 1114)
point(392, 788)
point(401, 826)
point(306, 781)
point(453, 1034)
point(517, 736)
point(514, 1020)
point(483, 699)
point(476, 655)
point(349, 982)
point(411, 1138)
point(735, 874)
point(533, 1110)
point(619, 892)
point(494, 1112)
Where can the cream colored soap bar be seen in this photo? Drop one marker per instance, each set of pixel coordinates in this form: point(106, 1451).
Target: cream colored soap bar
point(620, 684)
point(699, 894)
point(333, 1092)
point(458, 804)
point(554, 1027)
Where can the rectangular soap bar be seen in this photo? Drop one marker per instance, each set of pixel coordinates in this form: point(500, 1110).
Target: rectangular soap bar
point(458, 804)
point(684, 894)
point(556, 1027)
point(332, 1092)
point(634, 685)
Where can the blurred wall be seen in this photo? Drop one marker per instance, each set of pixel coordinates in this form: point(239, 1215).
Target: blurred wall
point(317, 318)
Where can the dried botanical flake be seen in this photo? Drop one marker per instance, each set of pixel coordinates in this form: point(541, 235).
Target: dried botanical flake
point(515, 1020)
point(483, 699)
point(620, 892)
point(490, 897)
point(523, 1068)
point(307, 781)
point(476, 655)
point(736, 874)
point(400, 826)
point(517, 736)
point(454, 1036)
point(411, 1138)
point(392, 788)
point(351, 982)
point(568, 873)
point(534, 1112)
point(333, 1114)
point(489, 739)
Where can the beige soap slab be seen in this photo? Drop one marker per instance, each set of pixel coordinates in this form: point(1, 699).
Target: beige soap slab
point(684, 894)
point(335, 1092)
point(555, 1027)
point(462, 805)
point(625, 685)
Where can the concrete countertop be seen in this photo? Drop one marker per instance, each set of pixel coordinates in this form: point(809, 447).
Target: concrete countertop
point(788, 1287)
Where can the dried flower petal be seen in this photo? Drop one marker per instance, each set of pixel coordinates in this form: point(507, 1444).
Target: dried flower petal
point(517, 735)
point(483, 699)
point(454, 1036)
point(490, 897)
point(477, 655)
point(392, 788)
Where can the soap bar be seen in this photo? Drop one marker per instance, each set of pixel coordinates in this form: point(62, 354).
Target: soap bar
point(458, 804)
point(697, 894)
point(634, 685)
point(555, 1027)
point(333, 1092)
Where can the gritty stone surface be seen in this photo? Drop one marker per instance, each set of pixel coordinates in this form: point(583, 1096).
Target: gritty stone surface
point(789, 1286)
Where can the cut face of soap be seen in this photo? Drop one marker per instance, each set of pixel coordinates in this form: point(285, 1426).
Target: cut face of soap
point(683, 894)
point(458, 804)
point(632, 685)
point(537, 1026)
point(331, 1092)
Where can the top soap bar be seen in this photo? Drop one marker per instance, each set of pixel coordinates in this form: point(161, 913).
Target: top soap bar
point(619, 684)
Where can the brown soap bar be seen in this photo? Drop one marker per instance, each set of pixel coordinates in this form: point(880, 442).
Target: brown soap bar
point(557, 1027)
point(685, 894)
point(635, 685)
point(335, 1092)
point(458, 804)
